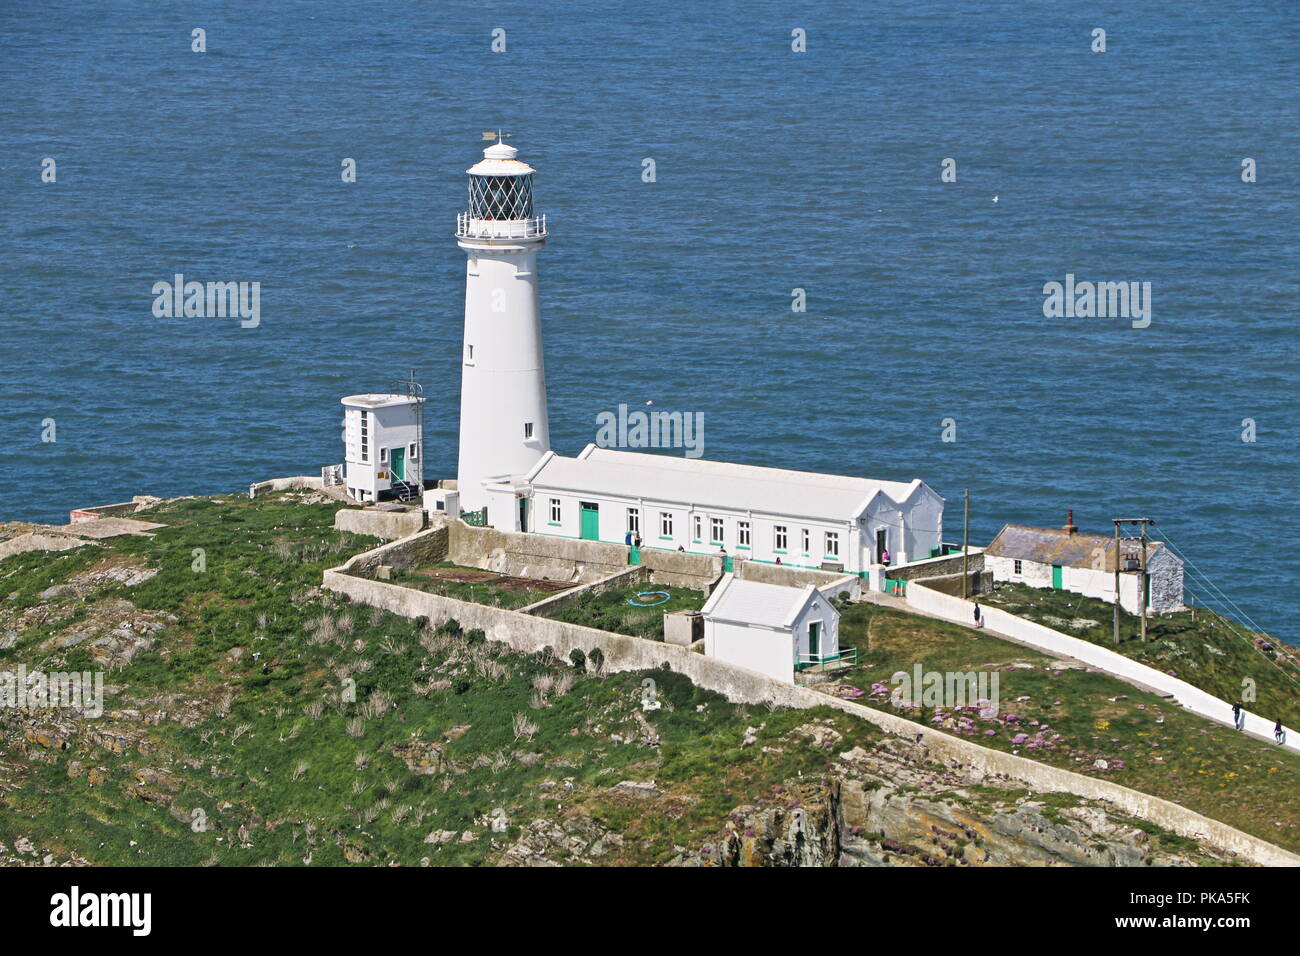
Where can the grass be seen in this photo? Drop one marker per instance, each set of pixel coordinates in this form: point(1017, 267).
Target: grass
point(1074, 718)
point(273, 724)
point(479, 586)
point(1201, 647)
point(611, 611)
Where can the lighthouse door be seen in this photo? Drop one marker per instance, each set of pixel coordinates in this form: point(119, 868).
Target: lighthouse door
point(397, 459)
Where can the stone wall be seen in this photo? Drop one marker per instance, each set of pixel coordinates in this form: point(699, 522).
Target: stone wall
point(980, 582)
point(423, 549)
point(286, 484)
point(622, 579)
point(529, 634)
point(937, 567)
point(571, 559)
point(764, 573)
point(386, 525)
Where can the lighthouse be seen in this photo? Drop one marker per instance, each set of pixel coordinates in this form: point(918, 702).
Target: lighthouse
point(503, 424)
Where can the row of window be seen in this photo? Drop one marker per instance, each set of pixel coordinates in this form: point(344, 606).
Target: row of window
point(717, 531)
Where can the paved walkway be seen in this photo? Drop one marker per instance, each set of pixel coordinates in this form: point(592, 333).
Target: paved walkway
point(1187, 695)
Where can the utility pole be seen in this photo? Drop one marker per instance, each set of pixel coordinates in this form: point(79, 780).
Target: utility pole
point(1142, 572)
point(1117, 523)
point(965, 544)
point(1142, 583)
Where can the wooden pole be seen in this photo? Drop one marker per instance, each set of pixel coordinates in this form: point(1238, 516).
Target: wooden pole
point(1142, 582)
point(1116, 638)
point(965, 544)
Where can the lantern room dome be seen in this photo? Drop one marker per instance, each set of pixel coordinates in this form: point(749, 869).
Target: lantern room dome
point(499, 160)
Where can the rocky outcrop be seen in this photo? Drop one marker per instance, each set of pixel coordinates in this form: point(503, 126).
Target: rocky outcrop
point(890, 806)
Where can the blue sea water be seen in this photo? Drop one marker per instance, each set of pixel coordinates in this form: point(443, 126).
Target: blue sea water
point(775, 170)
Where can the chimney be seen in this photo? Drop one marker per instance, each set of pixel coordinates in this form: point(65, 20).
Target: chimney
point(1070, 526)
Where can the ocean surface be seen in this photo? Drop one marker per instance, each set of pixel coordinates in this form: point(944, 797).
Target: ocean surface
point(775, 170)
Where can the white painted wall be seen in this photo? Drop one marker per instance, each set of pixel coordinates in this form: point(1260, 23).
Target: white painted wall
point(1165, 570)
point(818, 609)
point(390, 427)
point(764, 650)
point(762, 547)
point(503, 382)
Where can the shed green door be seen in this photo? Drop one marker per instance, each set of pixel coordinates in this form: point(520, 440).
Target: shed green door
point(1056, 576)
point(590, 521)
point(397, 459)
point(814, 638)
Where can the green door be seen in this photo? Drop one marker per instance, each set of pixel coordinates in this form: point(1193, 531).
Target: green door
point(814, 638)
point(397, 461)
point(1056, 576)
point(590, 521)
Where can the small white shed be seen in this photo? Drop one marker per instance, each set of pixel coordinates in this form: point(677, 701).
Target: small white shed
point(768, 628)
point(382, 453)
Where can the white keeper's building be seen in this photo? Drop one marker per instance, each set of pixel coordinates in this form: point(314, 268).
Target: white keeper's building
point(381, 442)
point(768, 628)
point(795, 518)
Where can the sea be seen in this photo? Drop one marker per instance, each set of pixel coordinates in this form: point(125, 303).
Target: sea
point(914, 174)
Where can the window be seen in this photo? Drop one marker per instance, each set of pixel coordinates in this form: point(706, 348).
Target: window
point(528, 430)
point(807, 540)
point(469, 353)
point(699, 524)
point(832, 544)
point(365, 435)
point(555, 511)
point(715, 531)
point(413, 451)
point(742, 534)
point(779, 539)
point(665, 524)
point(1017, 567)
point(383, 455)
point(634, 520)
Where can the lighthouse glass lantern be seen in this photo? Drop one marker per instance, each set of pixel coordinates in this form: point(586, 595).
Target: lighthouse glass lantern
point(501, 197)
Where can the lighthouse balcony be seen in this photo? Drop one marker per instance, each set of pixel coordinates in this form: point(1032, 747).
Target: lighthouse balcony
point(472, 227)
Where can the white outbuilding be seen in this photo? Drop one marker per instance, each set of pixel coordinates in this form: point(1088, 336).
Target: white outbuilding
point(771, 629)
point(1064, 559)
point(381, 439)
point(794, 518)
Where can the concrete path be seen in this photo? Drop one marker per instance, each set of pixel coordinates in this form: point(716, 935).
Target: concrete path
point(1065, 647)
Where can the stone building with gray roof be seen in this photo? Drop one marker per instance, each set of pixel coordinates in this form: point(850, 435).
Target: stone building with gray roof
point(1066, 559)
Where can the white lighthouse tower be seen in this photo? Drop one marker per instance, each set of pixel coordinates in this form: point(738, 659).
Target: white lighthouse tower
point(503, 425)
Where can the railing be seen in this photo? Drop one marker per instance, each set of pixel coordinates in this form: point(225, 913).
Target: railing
point(476, 518)
point(848, 658)
point(468, 227)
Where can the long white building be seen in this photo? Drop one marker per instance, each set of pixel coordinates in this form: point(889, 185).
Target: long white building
point(795, 518)
point(509, 478)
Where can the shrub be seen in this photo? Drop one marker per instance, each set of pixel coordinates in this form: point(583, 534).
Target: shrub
point(597, 659)
point(578, 660)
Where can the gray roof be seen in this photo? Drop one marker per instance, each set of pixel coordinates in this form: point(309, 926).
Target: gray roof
point(749, 602)
point(1055, 546)
point(715, 484)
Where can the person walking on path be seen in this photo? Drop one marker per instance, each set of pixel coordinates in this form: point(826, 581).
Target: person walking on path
point(1238, 716)
point(979, 618)
point(1279, 734)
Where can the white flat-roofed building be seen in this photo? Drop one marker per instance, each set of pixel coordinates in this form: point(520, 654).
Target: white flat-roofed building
point(795, 518)
point(768, 628)
point(381, 440)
